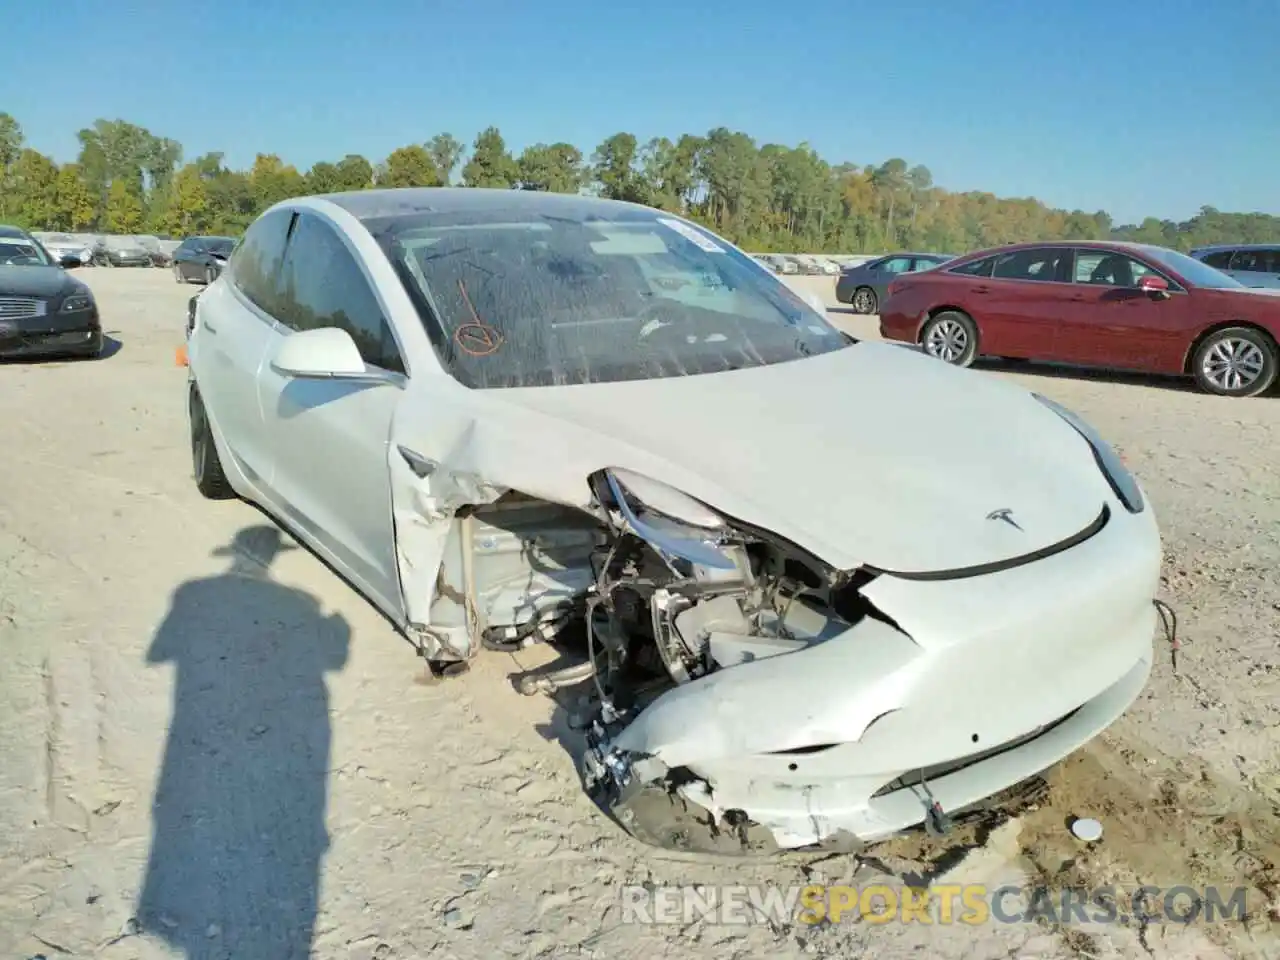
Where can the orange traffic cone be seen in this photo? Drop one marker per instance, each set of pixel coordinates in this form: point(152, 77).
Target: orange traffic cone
point(180, 356)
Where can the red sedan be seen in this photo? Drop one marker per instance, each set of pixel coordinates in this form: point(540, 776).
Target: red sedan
point(1120, 305)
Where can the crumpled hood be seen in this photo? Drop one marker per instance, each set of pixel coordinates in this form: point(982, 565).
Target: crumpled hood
point(31, 281)
point(870, 455)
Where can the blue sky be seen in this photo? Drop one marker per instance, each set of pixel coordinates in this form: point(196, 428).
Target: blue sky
point(1139, 107)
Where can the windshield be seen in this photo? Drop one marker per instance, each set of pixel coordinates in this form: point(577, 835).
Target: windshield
point(1198, 274)
point(17, 252)
point(514, 298)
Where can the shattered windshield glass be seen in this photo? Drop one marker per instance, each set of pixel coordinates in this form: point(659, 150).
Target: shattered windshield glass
point(518, 298)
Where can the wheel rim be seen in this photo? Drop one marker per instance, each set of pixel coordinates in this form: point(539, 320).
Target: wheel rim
point(1233, 363)
point(947, 340)
point(862, 300)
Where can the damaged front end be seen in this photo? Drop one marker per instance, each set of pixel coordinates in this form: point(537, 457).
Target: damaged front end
point(747, 696)
point(681, 594)
point(751, 698)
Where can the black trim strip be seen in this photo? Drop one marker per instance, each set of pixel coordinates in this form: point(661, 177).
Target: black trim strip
point(982, 569)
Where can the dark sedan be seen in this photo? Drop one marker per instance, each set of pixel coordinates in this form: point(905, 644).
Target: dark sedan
point(1126, 306)
point(201, 258)
point(43, 309)
point(865, 285)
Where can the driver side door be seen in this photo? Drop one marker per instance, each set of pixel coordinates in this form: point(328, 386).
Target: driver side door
point(331, 437)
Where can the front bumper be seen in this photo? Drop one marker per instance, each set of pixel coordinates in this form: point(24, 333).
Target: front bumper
point(78, 333)
point(980, 684)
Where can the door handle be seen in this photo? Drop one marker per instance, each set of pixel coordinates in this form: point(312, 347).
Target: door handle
point(211, 328)
point(421, 466)
point(981, 289)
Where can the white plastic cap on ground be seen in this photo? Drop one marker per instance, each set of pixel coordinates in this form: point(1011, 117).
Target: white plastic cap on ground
point(1086, 829)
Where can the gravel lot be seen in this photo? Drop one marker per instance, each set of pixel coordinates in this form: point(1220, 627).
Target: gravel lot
point(315, 772)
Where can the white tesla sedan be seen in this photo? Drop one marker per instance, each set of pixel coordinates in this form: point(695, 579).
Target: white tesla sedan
point(829, 589)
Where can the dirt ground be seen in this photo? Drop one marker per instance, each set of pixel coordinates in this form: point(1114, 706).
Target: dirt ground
point(175, 667)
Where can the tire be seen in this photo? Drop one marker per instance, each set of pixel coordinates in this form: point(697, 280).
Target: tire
point(1236, 362)
point(210, 479)
point(177, 274)
point(209, 276)
point(865, 301)
point(952, 337)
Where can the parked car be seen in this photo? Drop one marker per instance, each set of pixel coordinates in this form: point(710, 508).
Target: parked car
point(481, 408)
point(61, 245)
point(864, 285)
point(779, 263)
point(201, 258)
point(43, 309)
point(1118, 305)
point(121, 252)
point(159, 257)
point(1253, 264)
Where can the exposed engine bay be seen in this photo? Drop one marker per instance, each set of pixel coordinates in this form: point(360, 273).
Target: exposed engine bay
point(720, 715)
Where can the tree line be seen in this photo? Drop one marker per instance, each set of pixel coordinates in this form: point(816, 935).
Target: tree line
point(768, 197)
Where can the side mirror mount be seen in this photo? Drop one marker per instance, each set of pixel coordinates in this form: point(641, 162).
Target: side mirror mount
point(69, 262)
point(327, 353)
point(1156, 287)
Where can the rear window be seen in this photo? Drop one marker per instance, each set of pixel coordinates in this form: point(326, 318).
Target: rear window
point(975, 268)
point(521, 298)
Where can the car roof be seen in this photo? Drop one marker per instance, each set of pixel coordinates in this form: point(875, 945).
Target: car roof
point(911, 253)
point(8, 230)
point(1116, 246)
point(1219, 247)
point(413, 201)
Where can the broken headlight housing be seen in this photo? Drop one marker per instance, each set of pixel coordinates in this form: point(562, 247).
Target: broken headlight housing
point(1109, 462)
point(672, 522)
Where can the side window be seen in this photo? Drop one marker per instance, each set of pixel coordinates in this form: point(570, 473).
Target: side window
point(1107, 269)
point(922, 263)
point(1251, 261)
point(255, 268)
point(1219, 259)
point(322, 285)
point(896, 265)
point(1042, 264)
point(978, 268)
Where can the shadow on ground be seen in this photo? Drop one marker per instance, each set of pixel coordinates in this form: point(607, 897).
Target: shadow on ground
point(239, 810)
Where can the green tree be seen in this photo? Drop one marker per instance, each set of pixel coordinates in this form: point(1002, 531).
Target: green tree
point(188, 204)
point(33, 178)
point(74, 201)
point(354, 172)
point(446, 152)
point(323, 177)
point(272, 180)
point(124, 208)
point(614, 166)
point(557, 168)
point(409, 166)
point(11, 140)
point(490, 164)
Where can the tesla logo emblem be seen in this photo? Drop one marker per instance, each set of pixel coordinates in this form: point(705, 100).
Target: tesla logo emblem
point(1006, 515)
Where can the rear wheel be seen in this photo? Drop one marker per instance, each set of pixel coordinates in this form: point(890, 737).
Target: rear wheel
point(865, 300)
point(951, 336)
point(210, 479)
point(1236, 362)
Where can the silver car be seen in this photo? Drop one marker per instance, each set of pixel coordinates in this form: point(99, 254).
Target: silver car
point(1253, 264)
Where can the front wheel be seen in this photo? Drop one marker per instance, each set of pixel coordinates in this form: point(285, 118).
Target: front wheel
point(865, 300)
point(1236, 362)
point(951, 336)
point(210, 478)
